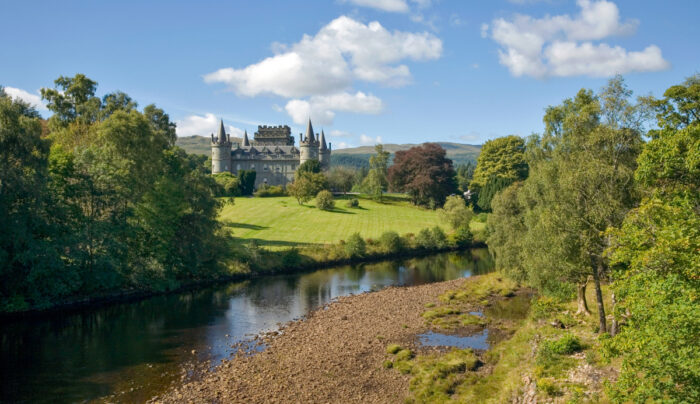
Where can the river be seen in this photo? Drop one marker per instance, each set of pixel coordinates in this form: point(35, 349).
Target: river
point(130, 352)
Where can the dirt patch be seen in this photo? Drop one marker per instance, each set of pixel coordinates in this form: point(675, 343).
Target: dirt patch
point(333, 355)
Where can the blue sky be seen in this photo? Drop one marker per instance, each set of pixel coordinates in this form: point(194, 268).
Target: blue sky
point(393, 71)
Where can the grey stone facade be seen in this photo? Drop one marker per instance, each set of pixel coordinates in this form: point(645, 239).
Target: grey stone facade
point(271, 153)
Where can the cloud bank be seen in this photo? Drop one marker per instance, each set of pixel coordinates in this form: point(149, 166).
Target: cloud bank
point(32, 99)
point(563, 45)
point(203, 125)
point(317, 72)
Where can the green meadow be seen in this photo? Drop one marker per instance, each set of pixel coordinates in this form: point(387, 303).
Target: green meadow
point(282, 222)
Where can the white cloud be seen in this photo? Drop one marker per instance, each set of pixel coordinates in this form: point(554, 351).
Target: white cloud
point(32, 99)
point(562, 45)
point(204, 126)
point(393, 6)
point(341, 145)
point(367, 140)
point(321, 108)
point(328, 62)
point(340, 133)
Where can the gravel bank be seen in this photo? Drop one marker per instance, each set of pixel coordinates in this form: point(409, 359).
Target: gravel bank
point(334, 355)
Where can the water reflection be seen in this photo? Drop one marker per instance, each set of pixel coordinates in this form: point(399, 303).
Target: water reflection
point(135, 350)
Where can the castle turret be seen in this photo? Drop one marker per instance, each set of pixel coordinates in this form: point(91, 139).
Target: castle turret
point(246, 142)
point(308, 147)
point(220, 151)
point(324, 152)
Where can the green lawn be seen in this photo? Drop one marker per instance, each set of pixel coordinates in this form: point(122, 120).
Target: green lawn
point(280, 222)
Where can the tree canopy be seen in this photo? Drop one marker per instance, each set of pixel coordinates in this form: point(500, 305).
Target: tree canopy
point(424, 173)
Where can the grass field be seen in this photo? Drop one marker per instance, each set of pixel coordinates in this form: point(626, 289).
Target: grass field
point(280, 222)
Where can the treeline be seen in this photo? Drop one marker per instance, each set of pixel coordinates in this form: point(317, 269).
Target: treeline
point(98, 199)
point(595, 202)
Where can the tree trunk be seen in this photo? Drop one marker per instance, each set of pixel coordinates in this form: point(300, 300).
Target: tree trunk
point(613, 326)
point(597, 269)
point(581, 299)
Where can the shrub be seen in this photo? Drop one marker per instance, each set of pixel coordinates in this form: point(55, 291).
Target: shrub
point(393, 349)
point(566, 345)
point(439, 237)
point(291, 258)
point(325, 201)
point(353, 203)
point(424, 239)
point(456, 212)
point(355, 246)
point(463, 237)
point(227, 184)
point(267, 191)
point(481, 217)
point(391, 242)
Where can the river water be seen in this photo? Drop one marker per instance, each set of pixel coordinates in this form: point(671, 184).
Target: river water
point(130, 352)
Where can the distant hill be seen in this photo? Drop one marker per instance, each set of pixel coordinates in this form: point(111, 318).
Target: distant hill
point(355, 156)
point(359, 156)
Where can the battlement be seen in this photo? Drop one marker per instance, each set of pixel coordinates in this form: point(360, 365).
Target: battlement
point(280, 135)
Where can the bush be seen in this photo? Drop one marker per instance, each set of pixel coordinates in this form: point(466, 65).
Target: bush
point(566, 345)
point(325, 201)
point(291, 258)
point(355, 246)
point(391, 242)
point(439, 237)
point(267, 191)
point(481, 217)
point(227, 184)
point(424, 239)
point(463, 237)
point(353, 203)
point(456, 212)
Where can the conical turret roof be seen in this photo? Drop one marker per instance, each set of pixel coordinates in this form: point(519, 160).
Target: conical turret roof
point(309, 132)
point(222, 132)
point(246, 142)
point(323, 141)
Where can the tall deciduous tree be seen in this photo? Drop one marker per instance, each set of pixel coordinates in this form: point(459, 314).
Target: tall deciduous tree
point(376, 182)
point(656, 253)
point(501, 162)
point(424, 173)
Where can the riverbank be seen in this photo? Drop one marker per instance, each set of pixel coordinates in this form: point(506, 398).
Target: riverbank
point(336, 354)
point(275, 264)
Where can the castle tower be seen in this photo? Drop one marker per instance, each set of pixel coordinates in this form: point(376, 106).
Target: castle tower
point(308, 147)
point(220, 151)
point(324, 152)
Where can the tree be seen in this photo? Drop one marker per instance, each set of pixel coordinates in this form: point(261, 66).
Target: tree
point(341, 179)
point(500, 163)
point(309, 166)
point(493, 186)
point(424, 173)
point(229, 184)
point(324, 200)
point(73, 100)
point(581, 183)
point(656, 259)
point(375, 183)
point(30, 268)
point(465, 173)
point(247, 181)
point(456, 212)
point(506, 229)
point(302, 189)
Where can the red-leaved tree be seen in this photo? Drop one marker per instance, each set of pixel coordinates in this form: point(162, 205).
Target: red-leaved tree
point(424, 173)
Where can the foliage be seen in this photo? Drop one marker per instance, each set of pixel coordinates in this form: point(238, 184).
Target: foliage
point(391, 242)
point(506, 228)
point(111, 204)
point(493, 186)
point(308, 167)
point(325, 201)
point(503, 157)
point(247, 181)
point(465, 173)
point(268, 191)
point(656, 252)
point(307, 185)
point(375, 182)
point(353, 203)
point(463, 237)
point(456, 212)
point(424, 173)
point(341, 179)
point(228, 184)
point(355, 246)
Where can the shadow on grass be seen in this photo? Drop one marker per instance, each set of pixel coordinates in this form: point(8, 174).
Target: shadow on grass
point(229, 223)
point(273, 243)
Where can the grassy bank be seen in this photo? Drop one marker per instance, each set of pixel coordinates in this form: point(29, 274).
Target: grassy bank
point(281, 222)
point(552, 355)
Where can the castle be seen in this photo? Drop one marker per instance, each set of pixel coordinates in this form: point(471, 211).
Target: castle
point(271, 154)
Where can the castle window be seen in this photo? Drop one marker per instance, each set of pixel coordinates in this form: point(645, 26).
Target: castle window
point(264, 167)
point(238, 167)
